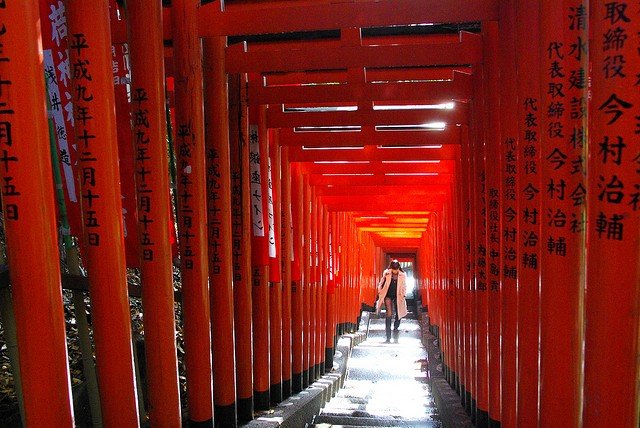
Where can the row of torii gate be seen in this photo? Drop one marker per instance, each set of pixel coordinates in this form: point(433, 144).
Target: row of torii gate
point(504, 159)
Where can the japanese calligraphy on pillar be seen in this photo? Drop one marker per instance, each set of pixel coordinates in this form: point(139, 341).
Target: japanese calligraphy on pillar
point(145, 200)
point(214, 195)
point(565, 110)
point(530, 199)
point(617, 113)
point(272, 227)
point(10, 192)
point(494, 238)
point(58, 79)
point(481, 231)
point(236, 212)
point(185, 144)
point(255, 179)
point(83, 102)
point(509, 209)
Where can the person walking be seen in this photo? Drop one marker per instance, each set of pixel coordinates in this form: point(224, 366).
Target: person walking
point(391, 291)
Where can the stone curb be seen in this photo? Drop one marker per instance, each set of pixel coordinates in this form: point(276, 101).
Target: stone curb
point(450, 410)
point(300, 409)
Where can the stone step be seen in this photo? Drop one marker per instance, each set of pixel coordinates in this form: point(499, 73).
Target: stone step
point(369, 421)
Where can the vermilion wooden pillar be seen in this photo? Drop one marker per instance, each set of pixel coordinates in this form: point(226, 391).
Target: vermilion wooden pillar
point(322, 278)
point(494, 257)
point(275, 283)
point(339, 273)
point(287, 265)
point(314, 286)
point(469, 168)
point(482, 256)
point(29, 216)
point(297, 297)
point(307, 284)
point(613, 236)
point(103, 243)
point(192, 207)
point(241, 245)
point(466, 265)
point(330, 228)
point(153, 202)
point(563, 75)
point(220, 232)
point(530, 111)
point(457, 241)
point(443, 291)
point(509, 212)
point(258, 143)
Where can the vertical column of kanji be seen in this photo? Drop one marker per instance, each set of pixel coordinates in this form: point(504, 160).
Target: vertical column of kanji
point(480, 238)
point(152, 194)
point(493, 160)
point(258, 146)
point(613, 271)
point(29, 215)
point(60, 109)
point(192, 207)
point(563, 78)
point(220, 232)
point(297, 296)
point(509, 212)
point(528, 86)
point(241, 245)
point(287, 265)
point(306, 267)
point(95, 126)
point(275, 283)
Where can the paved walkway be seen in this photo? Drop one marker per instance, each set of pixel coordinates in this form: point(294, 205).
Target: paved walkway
point(387, 383)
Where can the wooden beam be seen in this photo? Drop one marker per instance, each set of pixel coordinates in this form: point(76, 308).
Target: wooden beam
point(378, 180)
point(443, 91)
point(423, 74)
point(277, 118)
point(240, 18)
point(448, 152)
point(370, 137)
point(445, 167)
point(382, 190)
point(467, 51)
point(346, 205)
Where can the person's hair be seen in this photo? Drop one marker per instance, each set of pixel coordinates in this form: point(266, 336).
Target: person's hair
point(395, 265)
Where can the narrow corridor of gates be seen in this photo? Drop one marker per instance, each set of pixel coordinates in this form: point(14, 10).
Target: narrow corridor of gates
point(200, 197)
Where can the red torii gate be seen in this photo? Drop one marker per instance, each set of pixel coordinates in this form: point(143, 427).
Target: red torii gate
point(504, 205)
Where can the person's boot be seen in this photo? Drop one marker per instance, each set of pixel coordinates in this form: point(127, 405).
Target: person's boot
point(388, 328)
point(396, 324)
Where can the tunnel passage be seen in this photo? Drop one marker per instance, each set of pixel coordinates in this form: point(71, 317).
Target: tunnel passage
point(271, 155)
